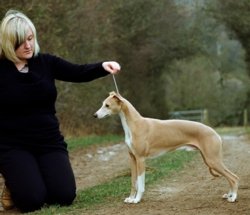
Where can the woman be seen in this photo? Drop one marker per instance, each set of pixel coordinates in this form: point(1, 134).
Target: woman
point(33, 155)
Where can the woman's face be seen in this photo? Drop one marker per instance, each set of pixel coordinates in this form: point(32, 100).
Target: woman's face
point(26, 49)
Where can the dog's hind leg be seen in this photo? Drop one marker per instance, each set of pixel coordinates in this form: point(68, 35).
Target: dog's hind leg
point(218, 166)
point(212, 172)
point(211, 151)
point(233, 179)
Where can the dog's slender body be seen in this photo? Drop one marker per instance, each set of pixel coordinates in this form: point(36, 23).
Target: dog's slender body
point(147, 137)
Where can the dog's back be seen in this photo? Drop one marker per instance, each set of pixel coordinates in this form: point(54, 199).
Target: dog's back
point(173, 134)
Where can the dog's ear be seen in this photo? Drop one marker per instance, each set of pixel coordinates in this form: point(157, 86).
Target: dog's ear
point(112, 93)
point(115, 96)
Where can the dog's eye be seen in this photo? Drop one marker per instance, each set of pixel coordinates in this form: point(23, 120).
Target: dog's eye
point(107, 105)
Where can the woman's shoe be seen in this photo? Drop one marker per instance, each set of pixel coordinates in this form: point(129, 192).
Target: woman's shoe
point(6, 200)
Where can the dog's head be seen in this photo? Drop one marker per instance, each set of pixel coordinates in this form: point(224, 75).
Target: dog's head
point(111, 105)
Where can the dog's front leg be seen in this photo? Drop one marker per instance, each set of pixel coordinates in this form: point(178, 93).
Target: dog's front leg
point(137, 179)
point(140, 165)
point(133, 192)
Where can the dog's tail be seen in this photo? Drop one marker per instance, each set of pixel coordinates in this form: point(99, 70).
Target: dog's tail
point(214, 173)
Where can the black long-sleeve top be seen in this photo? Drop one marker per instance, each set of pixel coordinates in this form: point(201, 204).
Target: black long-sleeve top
point(27, 100)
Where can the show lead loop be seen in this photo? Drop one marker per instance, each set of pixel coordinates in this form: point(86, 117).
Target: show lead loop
point(116, 87)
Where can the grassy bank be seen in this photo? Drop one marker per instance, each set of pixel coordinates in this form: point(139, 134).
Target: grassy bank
point(118, 188)
point(87, 141)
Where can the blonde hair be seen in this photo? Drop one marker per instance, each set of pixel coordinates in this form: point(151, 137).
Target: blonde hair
point(13, 32)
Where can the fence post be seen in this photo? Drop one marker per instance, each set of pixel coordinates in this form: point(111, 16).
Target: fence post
point(205, 115)
point(245, 118)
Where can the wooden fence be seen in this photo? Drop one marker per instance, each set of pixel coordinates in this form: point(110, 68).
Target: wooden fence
point(200, 116)
point(193, 115)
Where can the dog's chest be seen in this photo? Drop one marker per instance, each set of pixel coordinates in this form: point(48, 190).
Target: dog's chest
point(128, 141)
point(127, 131)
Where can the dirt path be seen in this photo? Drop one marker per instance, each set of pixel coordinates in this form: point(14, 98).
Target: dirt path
point(94, 166)
point(191, 191)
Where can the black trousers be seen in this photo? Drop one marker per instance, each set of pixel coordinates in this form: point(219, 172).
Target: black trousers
point(38, 178)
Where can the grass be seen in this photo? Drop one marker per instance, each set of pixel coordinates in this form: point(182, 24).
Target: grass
point(118, 188)
point(233, 130)
point(86, 141)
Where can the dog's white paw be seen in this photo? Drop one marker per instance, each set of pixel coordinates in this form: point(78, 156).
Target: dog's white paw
point(225, 196)
point(131, 200)
point(231, 197)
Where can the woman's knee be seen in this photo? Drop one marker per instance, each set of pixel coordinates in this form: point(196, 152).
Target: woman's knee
point(29, 200)
point(67, 199)
point(62, 196)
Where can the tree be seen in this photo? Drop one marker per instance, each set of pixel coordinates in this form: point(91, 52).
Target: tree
point(235, 15)
point(153, 40)
point(215, 77)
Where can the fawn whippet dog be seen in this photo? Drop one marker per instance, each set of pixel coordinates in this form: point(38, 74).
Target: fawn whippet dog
point(149, 137)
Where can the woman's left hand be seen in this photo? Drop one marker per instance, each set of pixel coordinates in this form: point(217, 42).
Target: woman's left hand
point(111, 66)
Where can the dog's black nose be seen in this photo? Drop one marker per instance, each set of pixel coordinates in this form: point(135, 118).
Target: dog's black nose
point(95, 115)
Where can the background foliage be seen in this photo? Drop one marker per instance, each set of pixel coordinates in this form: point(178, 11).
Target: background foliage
point(175, 55)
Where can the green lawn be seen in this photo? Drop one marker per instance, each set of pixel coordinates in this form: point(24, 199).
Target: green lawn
point(118, 188)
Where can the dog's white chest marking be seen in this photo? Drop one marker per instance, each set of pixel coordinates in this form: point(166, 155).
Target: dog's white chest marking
point(127, 131)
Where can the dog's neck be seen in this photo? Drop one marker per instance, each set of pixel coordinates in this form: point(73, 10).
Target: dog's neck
point(129, 112)
point(129, 118)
